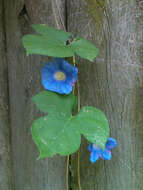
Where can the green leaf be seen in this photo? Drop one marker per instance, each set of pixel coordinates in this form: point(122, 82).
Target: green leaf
point(59, 35)
point(52, 42)
point(46, 45)
point(55, 104)
point(92, 123)
point(62, 135)
point(84, 48)
point(54, 136)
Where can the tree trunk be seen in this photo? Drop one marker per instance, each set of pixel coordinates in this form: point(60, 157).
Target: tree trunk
point(114, 83)
point(24, 82)
point(5, 161)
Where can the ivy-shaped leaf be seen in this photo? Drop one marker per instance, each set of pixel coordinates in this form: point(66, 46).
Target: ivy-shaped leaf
point(59, 35)
point(46, 45)
point(53, 103)
point(92, 123)
point(54, 136)
point(60, 132)
point(84, 48)
point(52, 42)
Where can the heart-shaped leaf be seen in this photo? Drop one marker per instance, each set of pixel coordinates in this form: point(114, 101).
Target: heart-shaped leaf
point(54, 104)
point(84, 48)
point(57, 34)
point(92, 123)
point(46, 45)
point(62, 135)
point(54, 136)
point(52, 42)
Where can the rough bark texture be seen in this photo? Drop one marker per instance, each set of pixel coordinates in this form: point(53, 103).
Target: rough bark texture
point(114, 83)
point(24, 82)
point(5, 162)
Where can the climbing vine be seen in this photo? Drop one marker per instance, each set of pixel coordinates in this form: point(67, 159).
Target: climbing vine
point(59, 131)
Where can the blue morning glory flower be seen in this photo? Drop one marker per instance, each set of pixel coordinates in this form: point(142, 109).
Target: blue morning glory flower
point(59, 76)
point(97, 152)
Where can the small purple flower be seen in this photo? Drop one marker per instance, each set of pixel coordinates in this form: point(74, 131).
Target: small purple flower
point(97, 152)
point(59, 76)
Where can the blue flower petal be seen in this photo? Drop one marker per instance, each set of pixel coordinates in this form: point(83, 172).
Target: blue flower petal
point(67, 88)
point(97, 149)
point(94, 156)
point(52, 83)
point(69, 68)
point(58, 60)
point(106, 155)
point(93, 148)
point(111, 143)
point(97, 152)
point(90, 147)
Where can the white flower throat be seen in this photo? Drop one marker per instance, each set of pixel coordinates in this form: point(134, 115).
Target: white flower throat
point(60, 75)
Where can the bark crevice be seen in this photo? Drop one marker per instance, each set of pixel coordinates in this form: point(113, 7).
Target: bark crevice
point(24, 13)
point(6, 75)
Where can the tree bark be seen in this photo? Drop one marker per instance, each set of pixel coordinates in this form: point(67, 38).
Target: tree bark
point(114, 83)
point(25, 82)
point(5, 154)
